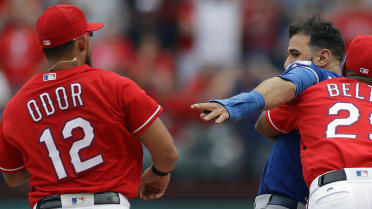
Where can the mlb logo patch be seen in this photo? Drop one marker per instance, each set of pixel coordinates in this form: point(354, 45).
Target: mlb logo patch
point(362, 173)
point(77, 200)
point(50, 77)
point(364, 70)
point(46, 42)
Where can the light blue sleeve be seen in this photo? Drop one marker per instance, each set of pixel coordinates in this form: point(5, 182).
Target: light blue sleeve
point(302, 77)
point(242, 105)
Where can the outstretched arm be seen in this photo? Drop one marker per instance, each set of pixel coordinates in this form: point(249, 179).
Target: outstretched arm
point(270, 93)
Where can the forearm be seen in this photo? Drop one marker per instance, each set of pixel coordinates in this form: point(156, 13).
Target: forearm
point(15, 179)
point(161, 146)
point(166, 162)
point(276, 91)
point(262, 126)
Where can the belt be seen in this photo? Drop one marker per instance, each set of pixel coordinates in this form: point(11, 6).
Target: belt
point(99, 198)
point(330, 177)
point(283, 201)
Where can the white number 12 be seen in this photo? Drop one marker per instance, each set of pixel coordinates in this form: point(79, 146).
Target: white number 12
point(86, 141)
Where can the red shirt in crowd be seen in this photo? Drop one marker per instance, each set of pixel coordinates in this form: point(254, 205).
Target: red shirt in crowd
point(20, 54)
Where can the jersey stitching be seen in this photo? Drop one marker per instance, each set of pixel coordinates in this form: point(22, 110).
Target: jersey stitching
point(12, 169)
point(148, 120)
point(272, 123)
point(316, 75)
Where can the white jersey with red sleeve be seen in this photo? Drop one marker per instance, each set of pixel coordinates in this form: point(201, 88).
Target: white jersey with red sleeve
point(334, 120)
point(75, 131)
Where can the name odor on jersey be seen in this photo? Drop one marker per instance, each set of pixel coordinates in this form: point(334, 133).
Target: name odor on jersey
point(45, 102)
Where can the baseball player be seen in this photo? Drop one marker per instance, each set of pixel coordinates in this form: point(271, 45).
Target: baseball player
point(282, 183)
point(75, 132)
point(334, 120)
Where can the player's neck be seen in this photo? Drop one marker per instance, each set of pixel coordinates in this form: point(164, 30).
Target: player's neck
point(66, 63)
point(334, 67)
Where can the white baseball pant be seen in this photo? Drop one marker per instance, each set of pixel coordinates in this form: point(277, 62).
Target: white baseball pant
point(353, 193)
point(124, 203)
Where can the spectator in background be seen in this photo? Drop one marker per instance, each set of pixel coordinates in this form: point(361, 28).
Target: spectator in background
point(218, 31)
point(354, 18)
point(113, 51)
point(20, 52)
point(262, 22)
point(153, 67)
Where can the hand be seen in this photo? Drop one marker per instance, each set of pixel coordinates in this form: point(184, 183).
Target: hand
point(216, 111)
point(153, 186)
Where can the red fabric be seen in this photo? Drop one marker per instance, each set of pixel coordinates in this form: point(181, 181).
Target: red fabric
point(359, 54)
point(20, 54)
point(353, 23)
point(261, 24)
point(60, 24)
point(116, 110)
point(113, 54)
point(320, 113)
point(155, 73)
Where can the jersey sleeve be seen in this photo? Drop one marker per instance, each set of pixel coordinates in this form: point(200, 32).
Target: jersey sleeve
point(11, 160)
point(302, 77)
point(305, 74)
point(141, 110)
point(283, 118)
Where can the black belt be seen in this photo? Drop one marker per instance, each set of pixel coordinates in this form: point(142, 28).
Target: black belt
point(283, 201)
point(99, 198)
point(330, 177)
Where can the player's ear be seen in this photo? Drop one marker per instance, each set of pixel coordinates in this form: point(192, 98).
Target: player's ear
point(82, 43)
point(322, 58)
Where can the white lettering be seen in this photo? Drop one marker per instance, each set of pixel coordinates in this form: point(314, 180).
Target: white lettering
point(47, 111)
point(370, 93)
point(34, 118)
point(64, 96)
point(333, 90)
point(345, 89)
point(75, 93)
point(50, 106)
point(357, 91)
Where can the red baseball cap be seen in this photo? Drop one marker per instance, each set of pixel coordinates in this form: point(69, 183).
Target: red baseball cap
point(359, 55)
point(60, 24)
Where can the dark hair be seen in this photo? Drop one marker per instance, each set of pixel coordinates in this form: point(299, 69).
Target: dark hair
point(59, 50)
point(323, 35)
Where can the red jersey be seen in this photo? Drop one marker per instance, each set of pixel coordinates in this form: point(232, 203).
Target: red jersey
point(334, 120)
point(75, 131)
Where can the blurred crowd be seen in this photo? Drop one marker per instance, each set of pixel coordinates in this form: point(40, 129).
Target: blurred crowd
point(182, 52)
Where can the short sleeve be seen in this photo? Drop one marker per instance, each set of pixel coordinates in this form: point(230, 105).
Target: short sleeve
point(141, 110)
point(303, 77)
point(11, 160)
point(283, 118)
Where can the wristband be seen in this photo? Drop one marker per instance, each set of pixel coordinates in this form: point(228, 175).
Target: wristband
point(157, 172)
point(241, 105)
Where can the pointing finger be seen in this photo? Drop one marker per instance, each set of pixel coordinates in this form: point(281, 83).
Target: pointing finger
point(203, 106)
point(222, 118)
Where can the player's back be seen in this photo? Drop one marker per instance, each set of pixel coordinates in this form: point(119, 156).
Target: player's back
point(334, 119)
point(76, 130)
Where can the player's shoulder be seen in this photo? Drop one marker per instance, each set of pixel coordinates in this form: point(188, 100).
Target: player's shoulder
point(299, 64)
point(112, 77)
point(320, 73)
point(342, 80)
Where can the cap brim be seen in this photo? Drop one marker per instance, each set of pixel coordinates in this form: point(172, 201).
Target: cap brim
point(94, 26)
